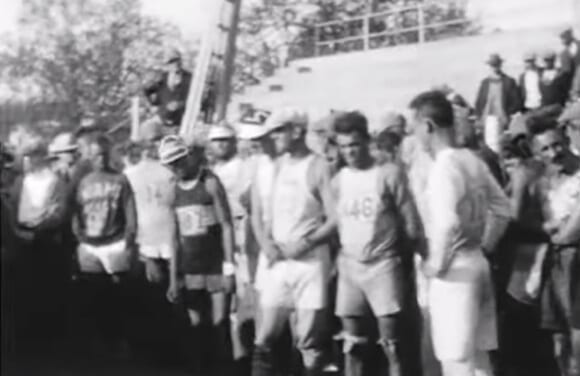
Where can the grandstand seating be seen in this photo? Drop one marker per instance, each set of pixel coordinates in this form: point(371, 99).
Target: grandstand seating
point(379, 80)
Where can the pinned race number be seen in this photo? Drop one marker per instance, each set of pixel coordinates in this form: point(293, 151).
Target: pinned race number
point(194, 220)
point(361, 209)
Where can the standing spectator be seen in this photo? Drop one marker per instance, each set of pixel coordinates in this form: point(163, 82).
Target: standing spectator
point(105, 224)
point(570, 60)
point(554, 82)
point(561, 189)
point(498, 94)
point(64, 151)
point(530, 83)
point(202, 270)
point(467, 214)
point(40, 204)
point(570, 233)
point(168, 94)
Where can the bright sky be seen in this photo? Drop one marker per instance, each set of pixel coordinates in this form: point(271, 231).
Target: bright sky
point(188, 15)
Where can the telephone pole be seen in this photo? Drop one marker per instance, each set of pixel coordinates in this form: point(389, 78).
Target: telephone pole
point(225, 82)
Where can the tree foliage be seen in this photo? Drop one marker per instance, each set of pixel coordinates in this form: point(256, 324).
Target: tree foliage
point(90, 55)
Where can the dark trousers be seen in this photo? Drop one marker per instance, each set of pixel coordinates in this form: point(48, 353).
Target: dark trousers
point(158, 323)
point(37, 286)
point(526, 348)
point(102, 313)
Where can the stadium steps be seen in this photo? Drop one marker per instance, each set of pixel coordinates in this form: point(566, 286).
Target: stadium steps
point(384, 79)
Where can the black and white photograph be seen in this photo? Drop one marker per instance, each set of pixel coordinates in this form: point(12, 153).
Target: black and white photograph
point(290, 187)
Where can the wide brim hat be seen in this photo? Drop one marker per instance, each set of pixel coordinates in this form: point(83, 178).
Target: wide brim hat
point(494, 60)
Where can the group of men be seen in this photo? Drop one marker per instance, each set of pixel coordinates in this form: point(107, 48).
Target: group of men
point(212, 255)
point(206, 229)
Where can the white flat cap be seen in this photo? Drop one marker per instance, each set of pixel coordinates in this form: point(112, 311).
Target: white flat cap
point(288, 115)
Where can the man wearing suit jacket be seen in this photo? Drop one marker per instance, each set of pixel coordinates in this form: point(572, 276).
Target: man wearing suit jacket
point(498, 94)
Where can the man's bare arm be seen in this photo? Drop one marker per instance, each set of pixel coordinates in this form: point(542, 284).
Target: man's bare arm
point(224, 217)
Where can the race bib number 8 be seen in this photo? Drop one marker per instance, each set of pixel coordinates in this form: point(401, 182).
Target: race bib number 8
point(194, 220)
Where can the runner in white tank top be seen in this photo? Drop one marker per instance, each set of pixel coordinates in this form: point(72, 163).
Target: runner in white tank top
point(299, 221)
point(377, 223)
point(467, 213)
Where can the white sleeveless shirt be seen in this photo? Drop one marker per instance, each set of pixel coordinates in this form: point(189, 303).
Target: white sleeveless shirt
point(296, 212)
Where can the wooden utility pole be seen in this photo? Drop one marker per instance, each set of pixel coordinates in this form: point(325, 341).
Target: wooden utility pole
point(225, 83)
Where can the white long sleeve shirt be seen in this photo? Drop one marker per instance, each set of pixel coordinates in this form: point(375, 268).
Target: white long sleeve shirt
point(467, 210)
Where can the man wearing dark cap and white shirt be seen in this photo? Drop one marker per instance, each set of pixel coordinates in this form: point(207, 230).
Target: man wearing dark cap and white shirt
point(498, 94)
point(168, 93)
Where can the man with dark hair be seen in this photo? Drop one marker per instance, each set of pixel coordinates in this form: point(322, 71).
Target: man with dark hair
point(561, 189)
point(498, 94)
point(105, 224)
point(377, 224)
point(384, 147)
point(461, 195)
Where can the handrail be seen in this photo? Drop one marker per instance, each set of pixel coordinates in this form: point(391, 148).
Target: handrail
point(365, 32)
point(369, 15)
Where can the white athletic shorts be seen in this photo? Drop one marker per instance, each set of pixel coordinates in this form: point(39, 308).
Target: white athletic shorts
point(378, 285)
point(294, 284)
point(158, 251)
point(110, 258)
point(462, 308)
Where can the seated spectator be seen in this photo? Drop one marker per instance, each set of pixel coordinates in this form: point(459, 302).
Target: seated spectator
point(168, 93)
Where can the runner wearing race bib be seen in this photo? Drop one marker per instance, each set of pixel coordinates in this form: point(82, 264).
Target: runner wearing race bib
point(105, 223)
point(377, 222)
point(104, 215)
point(461, 194)
point(202, 269)
point(298, 224)
point(154, 189)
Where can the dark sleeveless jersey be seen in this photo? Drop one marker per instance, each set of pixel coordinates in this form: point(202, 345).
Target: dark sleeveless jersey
point(200, 234)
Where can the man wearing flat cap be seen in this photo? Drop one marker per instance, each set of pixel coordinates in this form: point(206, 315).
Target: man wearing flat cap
point(498, 94)
point(169, 92)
